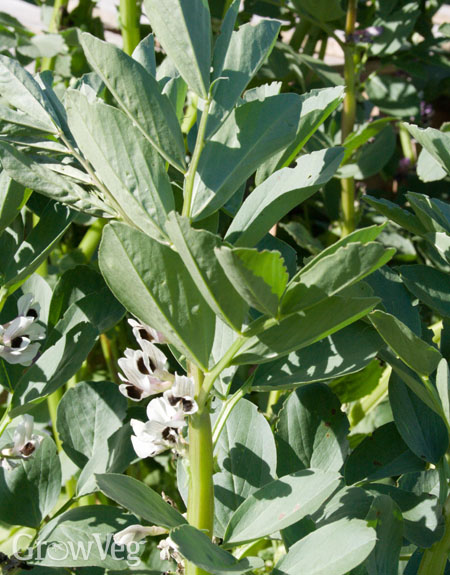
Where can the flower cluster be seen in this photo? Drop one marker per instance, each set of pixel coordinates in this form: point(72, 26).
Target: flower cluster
point(19, 338)
point(168, 550)
point(24, 444)
point(144, 374)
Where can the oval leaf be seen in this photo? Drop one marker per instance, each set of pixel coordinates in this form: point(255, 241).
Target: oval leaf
point(280, 504)
point(139, 499)
point(138, 94)
point(151, 281)
point(331, 550)
point(184, 29)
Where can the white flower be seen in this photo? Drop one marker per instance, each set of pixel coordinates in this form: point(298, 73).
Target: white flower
point(25, 443)
point(27, 307)
point(18, 340)
point(144, 375)
point(135, 533)
point(181, 395)
point(161, 432)
point(19, 337)
point(169, 550)
point(145, 334)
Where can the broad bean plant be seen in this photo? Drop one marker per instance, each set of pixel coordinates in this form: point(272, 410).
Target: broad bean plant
point(183, 166)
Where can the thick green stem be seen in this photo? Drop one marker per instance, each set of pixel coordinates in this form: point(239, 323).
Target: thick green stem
point(273, 399)
point(200, 511)
point(55, 24)
point(434, 559)
point(130, 13)
point(91, 239)
point(110, 360)
point(406, 144)
point(348, 118)
point(190, 175)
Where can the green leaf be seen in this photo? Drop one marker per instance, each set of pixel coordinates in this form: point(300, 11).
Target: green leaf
point(395, 298)
point(436, 142)
point(183, 27)
point(323, 10)
point(247, 457)
point(139, 499)
point(397, 214)
point(396, 26)
point(393, 95)
point(99, 410)
point(35, 175)
point(197, 548)
point(363, 235)
point(383, 454)
point(430, 285)
point(248, 137)
point(326, 73)
point(12, 198)
point(345, 503)
point(433, 213)
point(138, 95)
point(429, 169)
point(196, 248)
point(128, 165)
point(302, 236)
point(21, 91)
point(74, 285)
point(332, 274)
point(441, 241)
point(151, 281)
point(144, 53)
point(260, 277)
point(245, 53)
point(31, 490)
point(386, 518)
point(421, 428)
point(280, 193)
point(224, 38)
point(363, 134)
point(372, 157)
point(54, 221)
point(311, 431)
point(332, 357)
point(90, 528)
point(304, 328)
point(416, 353)
point(358, 385)
point(280, 504)
point(316, 106)
point(422, 514)
point(334, 549)
point(443, 387)
point(408, 376)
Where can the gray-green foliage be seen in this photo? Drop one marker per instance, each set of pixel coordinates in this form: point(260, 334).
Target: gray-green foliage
point(193, 170)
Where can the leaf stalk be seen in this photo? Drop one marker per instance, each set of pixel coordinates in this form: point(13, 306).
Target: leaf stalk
point(190, 175)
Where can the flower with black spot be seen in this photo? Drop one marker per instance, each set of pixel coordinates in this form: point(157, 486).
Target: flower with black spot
point(25, 443)
point(144, 375)
point(160, 432)
point(181, 394)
